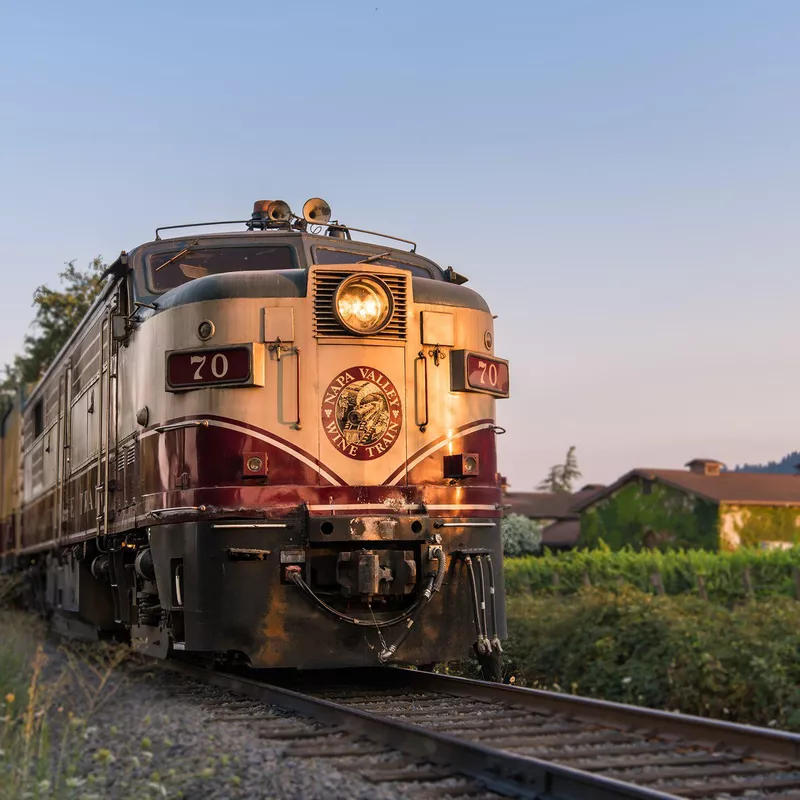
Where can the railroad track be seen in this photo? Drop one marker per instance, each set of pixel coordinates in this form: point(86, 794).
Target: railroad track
point(524, 743)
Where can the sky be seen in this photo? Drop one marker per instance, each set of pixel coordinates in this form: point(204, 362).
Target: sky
point(619, 179)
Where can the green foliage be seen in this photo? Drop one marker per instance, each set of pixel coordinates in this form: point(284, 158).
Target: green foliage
point(765, 524)
point(771, 572)
point(57, 314)
point(560, 477)
point(663, 518)
point(678, 653)
point(521, 536)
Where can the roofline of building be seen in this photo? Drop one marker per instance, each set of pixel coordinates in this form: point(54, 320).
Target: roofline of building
point(648, 474)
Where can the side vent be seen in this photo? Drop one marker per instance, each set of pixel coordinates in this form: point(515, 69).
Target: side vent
point(326, 282)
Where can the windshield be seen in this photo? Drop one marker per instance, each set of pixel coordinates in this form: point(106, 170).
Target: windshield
point(174, 267)
point(326, 255)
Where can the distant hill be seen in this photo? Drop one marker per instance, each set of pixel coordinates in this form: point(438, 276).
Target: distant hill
point(785, 466)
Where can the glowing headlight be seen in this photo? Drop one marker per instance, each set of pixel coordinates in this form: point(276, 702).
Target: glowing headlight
point(363, 304)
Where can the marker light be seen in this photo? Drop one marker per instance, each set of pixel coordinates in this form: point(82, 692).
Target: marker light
point(255, 464)
point(363, 304)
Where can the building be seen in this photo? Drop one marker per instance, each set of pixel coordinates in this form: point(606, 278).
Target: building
point(701, 507)
point(556, 511)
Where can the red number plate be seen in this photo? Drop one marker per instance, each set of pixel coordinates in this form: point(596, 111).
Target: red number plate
point(227, 365)
point(487, 374)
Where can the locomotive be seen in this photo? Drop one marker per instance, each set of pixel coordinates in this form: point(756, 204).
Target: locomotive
point(273, 445)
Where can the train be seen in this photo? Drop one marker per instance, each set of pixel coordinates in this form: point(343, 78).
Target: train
point(268, 443)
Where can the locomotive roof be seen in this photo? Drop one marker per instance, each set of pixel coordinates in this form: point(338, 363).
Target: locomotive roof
point(304, 238)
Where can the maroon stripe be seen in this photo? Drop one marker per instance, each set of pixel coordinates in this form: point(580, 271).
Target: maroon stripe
point(256, 429)
point(432, 446)
point(283, 501)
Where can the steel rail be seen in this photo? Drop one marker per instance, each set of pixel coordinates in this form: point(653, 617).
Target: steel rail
point(764, 742)
point(500, 771)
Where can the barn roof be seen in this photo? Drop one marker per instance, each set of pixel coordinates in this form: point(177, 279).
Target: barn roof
point(741, 488)
point(562, 534)
point(549, 505)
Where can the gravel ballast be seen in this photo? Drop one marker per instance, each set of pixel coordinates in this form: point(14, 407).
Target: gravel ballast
point(137, 730)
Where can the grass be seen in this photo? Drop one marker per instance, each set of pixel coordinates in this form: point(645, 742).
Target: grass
point(56, 737)
point(48, 705)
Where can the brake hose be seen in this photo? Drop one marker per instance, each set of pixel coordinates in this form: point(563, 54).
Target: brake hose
point(297, 579)
point(486, 642)
point(479, 644)
point(438, 551)
point(495, 638)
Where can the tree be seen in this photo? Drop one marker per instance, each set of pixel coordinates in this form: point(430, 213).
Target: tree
point(553, 481)
point(58, 313)
point(570, 472)
point(560, 477)
point(521, 536)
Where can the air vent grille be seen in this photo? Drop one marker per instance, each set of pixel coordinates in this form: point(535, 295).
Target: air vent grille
point(326, 282)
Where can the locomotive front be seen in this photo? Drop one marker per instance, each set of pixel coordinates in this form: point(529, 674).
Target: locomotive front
point(312, 421)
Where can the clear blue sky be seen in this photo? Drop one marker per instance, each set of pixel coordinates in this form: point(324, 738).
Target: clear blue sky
point(620, 179)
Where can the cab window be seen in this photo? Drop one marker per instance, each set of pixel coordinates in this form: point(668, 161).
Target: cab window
point(172, 268)
point(327, 255)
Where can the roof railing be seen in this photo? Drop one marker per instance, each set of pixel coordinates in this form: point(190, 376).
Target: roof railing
point(335, 229)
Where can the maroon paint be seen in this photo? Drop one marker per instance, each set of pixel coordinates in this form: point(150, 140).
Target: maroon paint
point(212, 457)
point(281, 501)
point(203, 467)
point(482, 442)
point(432, 447)
point(191, 368)
point(487, 374)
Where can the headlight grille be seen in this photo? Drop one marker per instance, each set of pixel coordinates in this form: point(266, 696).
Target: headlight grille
point(326, 323)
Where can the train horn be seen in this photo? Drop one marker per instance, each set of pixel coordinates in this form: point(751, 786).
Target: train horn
point(274, 210)
point(316, 211)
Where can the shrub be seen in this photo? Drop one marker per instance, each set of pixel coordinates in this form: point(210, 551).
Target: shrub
point(771, 572)
point(678, 653)
point(521, 536)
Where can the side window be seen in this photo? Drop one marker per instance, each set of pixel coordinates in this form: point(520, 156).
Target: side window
point(38, 419)
point(123, 297)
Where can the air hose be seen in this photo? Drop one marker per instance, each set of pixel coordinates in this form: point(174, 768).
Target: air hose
point(495, 638)
point(438, 552)
point(297, 579)
point(485, 627)
point(482, 641)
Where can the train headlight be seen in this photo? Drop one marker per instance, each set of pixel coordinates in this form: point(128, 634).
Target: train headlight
point(363, 304)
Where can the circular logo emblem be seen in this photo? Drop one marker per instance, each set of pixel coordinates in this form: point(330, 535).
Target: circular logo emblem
point(361, 413)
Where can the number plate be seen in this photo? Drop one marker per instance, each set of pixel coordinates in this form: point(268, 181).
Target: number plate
point(216, 366)
point(474, 372)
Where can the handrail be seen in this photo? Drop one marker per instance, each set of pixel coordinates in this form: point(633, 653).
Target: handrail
point(199, 225)
point(174, 426)
point(284, 225)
